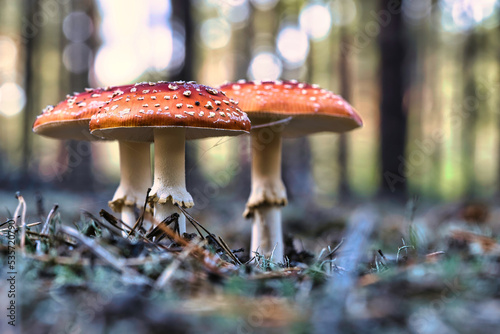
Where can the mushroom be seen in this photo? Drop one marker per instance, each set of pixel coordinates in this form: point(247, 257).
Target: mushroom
point(281, 109)
point(70, 120)
point(168, 113)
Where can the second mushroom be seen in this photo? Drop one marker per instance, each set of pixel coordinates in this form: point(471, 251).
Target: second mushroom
point(281, 109)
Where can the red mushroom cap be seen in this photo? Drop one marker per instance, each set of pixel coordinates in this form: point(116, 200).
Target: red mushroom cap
point(70, 118)
point(312, 108)
point(202, 110)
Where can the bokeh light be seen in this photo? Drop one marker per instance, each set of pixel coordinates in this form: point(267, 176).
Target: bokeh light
point(178, 47)
point(265, 66)
point(77, 57)
point(316, 21)
point(462, 15)
point(415, 12)
point(12, 99)
point(162, 45)
point(215, 33)
point(116, 64)
point(77, 26)
point(8, 53)
point(343, 12)
point(293, 46)
point(235, 11)
point(138, 38)
point(264, 4)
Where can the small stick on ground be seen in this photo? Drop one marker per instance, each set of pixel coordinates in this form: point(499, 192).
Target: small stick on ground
point(193, 222)
point(45, 228)
point(28, 225)
point(157, 232)
point(115, 227)
point(21, 210)
point(140, 221)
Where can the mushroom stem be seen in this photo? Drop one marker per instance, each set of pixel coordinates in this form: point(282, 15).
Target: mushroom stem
point(267, 235)
point(169, 185)
point(135, 179)
point(268, 193)
point(128, 218)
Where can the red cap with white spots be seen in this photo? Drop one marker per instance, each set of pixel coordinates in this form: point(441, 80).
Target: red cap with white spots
point(70, 118)
point(312, 108)
point(138, 110)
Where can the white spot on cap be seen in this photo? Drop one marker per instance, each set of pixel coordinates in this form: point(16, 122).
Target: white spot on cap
point(179, 105)
point(189, 112)
point(133, 90)
point(187, 93)
point(211, 115)
point(48, 109)
point(166, 97)
point(172, 86)
point(212, 91)
point(209, 105)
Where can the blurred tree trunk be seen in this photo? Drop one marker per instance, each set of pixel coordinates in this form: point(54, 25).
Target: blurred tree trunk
point(242, 41)
point(498, 140)
point(181, 10)
point(470, 113)
point(296, 152)
point(345, 92)
point(30, 7)
point(79, 176)
point(296, 169)
point(433, 57)
point(393, 113)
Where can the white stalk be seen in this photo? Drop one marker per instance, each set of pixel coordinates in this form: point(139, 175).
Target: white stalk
point(169, 184)
point(128, 218)
point(268, 194)
point(267, 234)
point(135, 179)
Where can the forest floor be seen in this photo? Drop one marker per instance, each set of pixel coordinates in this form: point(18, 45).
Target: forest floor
point(378, 270)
